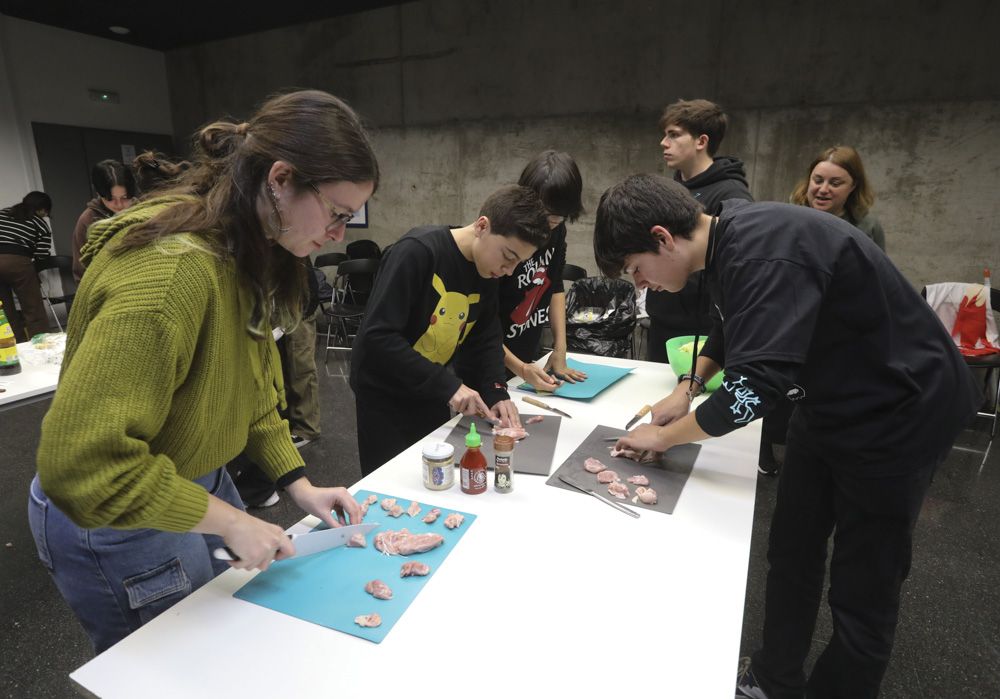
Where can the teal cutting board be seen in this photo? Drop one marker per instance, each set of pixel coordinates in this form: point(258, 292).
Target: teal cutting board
point(329, 588)
point(599, 377)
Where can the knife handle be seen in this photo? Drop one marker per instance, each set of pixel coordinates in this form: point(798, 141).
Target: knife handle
point(535, 402)
point(645, 411)
point(225, 553)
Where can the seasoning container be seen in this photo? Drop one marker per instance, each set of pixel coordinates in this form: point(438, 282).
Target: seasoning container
point(503, 464)
point(9, 363)
point(473, 465)
point(438, 465)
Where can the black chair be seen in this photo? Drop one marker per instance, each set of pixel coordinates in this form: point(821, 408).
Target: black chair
point(990, 365)
point(363, 249)
point(330, 259)
point(347, 308)
point(58, 268)
point(572, 273)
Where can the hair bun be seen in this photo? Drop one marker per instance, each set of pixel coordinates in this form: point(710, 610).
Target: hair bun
point(221, 138)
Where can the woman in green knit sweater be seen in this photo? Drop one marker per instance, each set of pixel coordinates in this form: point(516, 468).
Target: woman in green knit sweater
point(171, 371)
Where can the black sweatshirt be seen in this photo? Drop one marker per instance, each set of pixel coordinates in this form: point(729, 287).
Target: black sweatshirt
point(429, 311)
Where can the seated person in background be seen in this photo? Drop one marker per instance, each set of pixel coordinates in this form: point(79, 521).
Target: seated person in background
point(836, 183)
point(24, 238)
point(434, 305)
point(534, 293)
point(692, 133)
point(811, 309)
point(171, 369)
point(115, 189)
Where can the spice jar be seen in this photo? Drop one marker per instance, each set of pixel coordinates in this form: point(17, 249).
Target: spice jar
point(503, 464)
point(438, 465)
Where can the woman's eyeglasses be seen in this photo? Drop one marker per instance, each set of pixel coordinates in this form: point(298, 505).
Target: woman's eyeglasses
point(337, 219)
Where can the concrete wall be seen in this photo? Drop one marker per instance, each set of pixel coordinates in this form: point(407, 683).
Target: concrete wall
point(45, 73)
point(462, 93)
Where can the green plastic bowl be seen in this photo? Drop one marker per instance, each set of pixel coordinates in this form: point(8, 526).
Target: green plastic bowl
point(680, 362)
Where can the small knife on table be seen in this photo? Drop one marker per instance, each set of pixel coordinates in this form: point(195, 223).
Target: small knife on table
point(544, 406)
point(621, 508)
point(638, 416)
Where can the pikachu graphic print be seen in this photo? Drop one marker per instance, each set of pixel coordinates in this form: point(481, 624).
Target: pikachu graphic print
point(448, 326)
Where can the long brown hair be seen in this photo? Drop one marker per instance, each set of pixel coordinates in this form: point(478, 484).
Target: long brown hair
point(860, 200)
point(318, 135)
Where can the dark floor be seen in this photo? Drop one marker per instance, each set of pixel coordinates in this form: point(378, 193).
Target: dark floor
point(947, 646)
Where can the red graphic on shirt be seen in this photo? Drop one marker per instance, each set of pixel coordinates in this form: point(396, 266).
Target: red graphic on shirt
point(539, 283)
point(970, 328)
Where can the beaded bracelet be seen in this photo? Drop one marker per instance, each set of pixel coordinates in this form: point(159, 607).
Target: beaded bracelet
point(692, 379)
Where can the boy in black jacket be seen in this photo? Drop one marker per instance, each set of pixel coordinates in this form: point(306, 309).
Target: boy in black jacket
point(434, 306)
point(814, 311)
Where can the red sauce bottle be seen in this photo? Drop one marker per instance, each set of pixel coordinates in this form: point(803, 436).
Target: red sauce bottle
point(472, 468)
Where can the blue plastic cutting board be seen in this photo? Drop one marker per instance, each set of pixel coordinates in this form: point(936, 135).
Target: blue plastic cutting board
point(599, 377)
point(329, 588)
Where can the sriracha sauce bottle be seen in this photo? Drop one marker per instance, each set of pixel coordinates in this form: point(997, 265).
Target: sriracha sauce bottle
point(472, 468)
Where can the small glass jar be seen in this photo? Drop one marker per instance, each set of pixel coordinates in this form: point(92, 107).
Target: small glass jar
point(438, 465)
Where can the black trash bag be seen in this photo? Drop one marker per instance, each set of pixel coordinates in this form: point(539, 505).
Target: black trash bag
point(600, 316)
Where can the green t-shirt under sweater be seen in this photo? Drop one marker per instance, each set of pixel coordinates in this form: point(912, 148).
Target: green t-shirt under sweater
point(161, 384)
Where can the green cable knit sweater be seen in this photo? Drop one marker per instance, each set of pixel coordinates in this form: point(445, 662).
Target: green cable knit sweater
point(161, 384)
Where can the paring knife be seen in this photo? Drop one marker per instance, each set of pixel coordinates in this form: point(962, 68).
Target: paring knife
point(544, 406)
point(638, 416)
point(311, 542)
point(618, 506)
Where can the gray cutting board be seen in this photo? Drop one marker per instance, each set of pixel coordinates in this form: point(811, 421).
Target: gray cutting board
point(533, 454)
point(666, 476)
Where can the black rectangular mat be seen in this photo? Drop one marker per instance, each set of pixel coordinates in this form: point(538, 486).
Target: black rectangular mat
point(533, 454)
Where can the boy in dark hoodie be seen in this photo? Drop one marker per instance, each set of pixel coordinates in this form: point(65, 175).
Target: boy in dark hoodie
point(693, 131)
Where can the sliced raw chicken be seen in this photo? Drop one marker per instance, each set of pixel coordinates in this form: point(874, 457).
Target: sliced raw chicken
point(371, 499)
point(618, 489)
point(432, 516)
point(364, 510)
point(607, 476)
point(370, 620)
point(454, 520)
point(534, 419)
point(404, 543)
point(396, 511)
point(414, 509)
point(517, 433)
point(357, 541)
point(388, 503)
point(646, 495)
point(593, 465)
point(643, 457)
point(378, 589)
point(413, 568)
point(638, 480)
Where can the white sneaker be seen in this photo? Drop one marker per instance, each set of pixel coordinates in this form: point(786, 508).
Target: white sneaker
point(272, 499)
point(300, 441)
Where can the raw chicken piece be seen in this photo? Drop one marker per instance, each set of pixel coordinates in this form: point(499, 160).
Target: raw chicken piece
point(371, 499)
point(454, 520)
point(370, 620)
point(432, 516)
point(357, 541)
point(414, 509)
point(618, 489)
point(593, 465)
point(378, 589)
point(387, 503)
point(607, 476)
point(364, 509)
point(518, 433)
point(404, 543)
point(413, 568)
point(643, 457)
point(396, 511)
point(646, 495)
point(638, 480)
point(533, 419)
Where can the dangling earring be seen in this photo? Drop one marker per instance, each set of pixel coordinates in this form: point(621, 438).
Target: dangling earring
point(282, 228)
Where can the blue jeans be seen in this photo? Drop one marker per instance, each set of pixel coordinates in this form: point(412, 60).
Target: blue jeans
point(116, 580)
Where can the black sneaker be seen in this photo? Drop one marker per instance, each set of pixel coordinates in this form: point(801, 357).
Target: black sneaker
point(767, 464)
point(746, 684)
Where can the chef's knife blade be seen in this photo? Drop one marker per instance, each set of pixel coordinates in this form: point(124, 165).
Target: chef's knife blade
point(311, 542)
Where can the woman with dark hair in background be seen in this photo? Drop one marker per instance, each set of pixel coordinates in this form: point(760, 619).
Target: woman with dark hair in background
point(534, 293)
point(171, 370)
point(24, 237)
point(836, 182)
point(115, 189)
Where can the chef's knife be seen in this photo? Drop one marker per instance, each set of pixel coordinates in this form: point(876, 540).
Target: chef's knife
point(621, 508)
point(311, 542)
point(544, 406)
point(638, 416)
